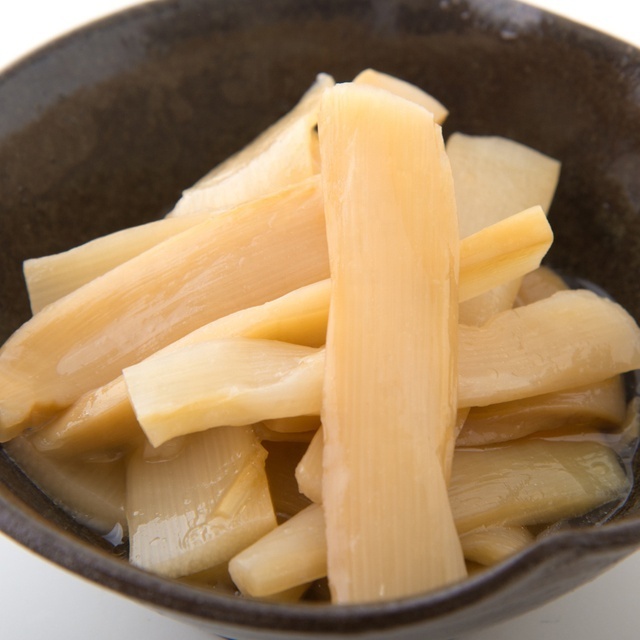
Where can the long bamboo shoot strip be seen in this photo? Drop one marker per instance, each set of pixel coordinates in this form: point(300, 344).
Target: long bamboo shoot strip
point(238, 259)
point(290, 555)
point(52, 277)
point(571, 339)
point(389, 393)
point(100, 420)
point(214, 500)
point(287, 152)
point(234, 381)
point(532, 482)
point(594, 406)
point(495, 178)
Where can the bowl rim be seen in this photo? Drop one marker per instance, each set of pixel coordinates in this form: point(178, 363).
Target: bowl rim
point(33, 531)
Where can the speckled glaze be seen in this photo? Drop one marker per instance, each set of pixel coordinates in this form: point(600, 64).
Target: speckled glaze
point(104, 128)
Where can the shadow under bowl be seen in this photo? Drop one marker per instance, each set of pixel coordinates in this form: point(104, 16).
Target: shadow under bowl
point(104, 128)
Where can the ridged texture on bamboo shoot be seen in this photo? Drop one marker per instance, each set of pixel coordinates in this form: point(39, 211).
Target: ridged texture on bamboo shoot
point(228, 382)
point(389, 397)
point(198, 502)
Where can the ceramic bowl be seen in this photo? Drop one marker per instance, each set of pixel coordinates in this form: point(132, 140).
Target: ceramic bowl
point(104, 128)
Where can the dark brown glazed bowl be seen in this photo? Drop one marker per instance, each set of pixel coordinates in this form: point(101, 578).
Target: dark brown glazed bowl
point(104, 128)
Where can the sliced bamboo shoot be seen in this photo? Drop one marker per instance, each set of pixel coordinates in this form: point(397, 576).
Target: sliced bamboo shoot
point(52, 277)
point(403, 89)
point(213, 496)
point(287, 152)
point(389, 393)
point(234, 381)
point(532, 482)
point(495, 178)
point(489, 545)
point(231, 261)
point(600, 405)
point(516, 245)
point(99, 421)
point(571, 339)
point(293, 554)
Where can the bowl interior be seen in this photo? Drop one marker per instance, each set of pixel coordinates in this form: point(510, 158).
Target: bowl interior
point(104, 129)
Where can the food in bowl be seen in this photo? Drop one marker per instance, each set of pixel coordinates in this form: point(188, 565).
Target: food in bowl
point(190, 331)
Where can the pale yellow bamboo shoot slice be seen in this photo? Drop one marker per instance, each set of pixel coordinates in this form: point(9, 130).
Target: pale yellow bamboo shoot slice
point(92, 492)
point(101, 420)
point(213, 496)
point(600, 405)
point(540, 283)
point(231, 261)
point(285, 153)
point(234, 381)
point(495, 178)
point(292, 554)
point(489, 545)
point(403, 89)
point(393, 250)
point(52, 277)
point(531, 482)
point(522, 240)
point(571, 339)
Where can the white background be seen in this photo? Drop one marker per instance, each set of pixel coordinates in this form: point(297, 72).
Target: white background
point(41, 601)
